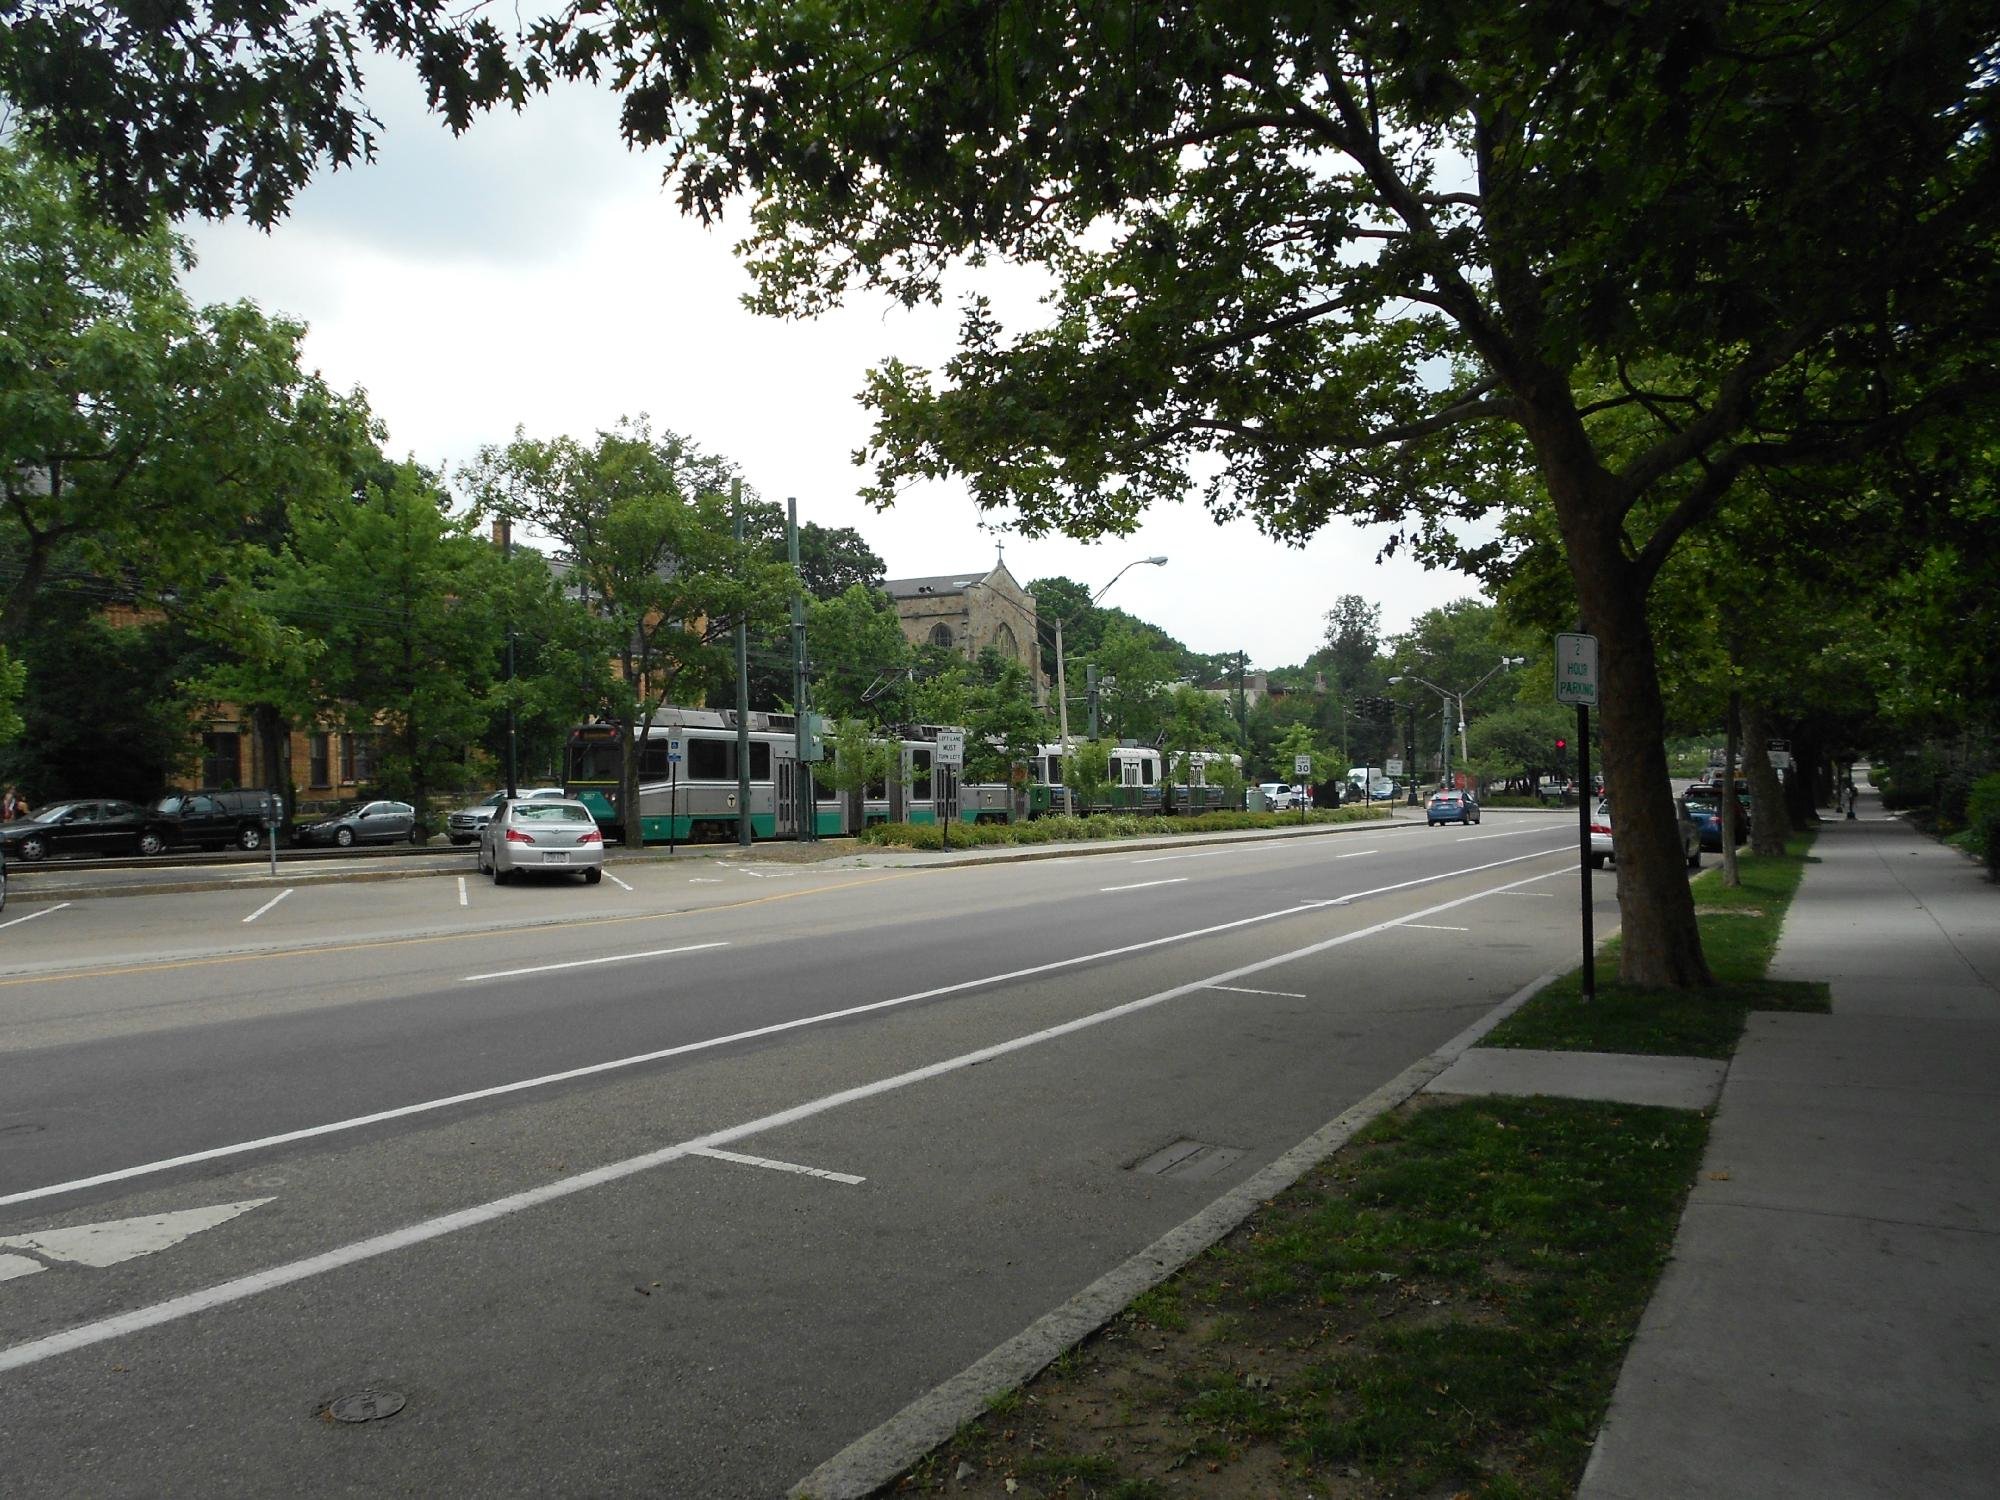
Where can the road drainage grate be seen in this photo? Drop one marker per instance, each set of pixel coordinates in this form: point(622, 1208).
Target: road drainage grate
point(1192, 1159)
point(366, 1406)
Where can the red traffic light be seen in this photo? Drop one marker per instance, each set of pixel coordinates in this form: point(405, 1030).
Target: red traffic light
point(1562, 744)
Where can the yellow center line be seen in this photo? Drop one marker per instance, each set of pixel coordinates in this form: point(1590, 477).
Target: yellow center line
point(115, 970)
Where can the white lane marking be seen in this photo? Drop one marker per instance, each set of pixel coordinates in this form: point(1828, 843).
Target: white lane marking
point(741, 871)
point(1403, 885)
point(703, 880)
point(1433, 927)
point(1535, 895)
point(1357, 854)
point(1512, 833)
point(17, 921)
point(462, 901)
point(222, 1294)
point(1144, 884)
point(585, 963)
point(616, 881)
point(1237, 989)
point(116, 1240)
point(1160, 859)
point(616, 1064)
point(269, 904)
point(772, 1164)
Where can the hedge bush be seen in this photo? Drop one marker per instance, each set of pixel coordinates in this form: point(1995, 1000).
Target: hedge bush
point(1059, 829)
point(1982, 817)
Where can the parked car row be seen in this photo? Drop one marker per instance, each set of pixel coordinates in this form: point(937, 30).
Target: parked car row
point(192, 820)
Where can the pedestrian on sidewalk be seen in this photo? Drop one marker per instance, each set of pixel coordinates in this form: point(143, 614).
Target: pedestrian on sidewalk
point(13, 805)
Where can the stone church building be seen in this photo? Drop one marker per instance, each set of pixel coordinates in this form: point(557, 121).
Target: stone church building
point(967, 612)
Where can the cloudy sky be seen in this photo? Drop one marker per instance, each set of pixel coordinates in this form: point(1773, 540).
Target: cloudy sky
point(535, 274)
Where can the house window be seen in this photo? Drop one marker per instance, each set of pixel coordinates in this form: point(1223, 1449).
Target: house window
point(346, 760)
point(1005, 643)
point(222, 759)
point(364, 757)
point(318, 759)
point(941, 636)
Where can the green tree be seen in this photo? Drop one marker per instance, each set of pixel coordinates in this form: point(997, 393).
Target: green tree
point(858, 650)
point(648, 539)
point(1270, 233)
point(1194, 721)
point(400, 603)
point(140, 437)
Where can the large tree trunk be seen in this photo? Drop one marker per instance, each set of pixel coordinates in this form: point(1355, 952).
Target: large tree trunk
point(1729, 807)
point(1660, 944)
point(1769, 823)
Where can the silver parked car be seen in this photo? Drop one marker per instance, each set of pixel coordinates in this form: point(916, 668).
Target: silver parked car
point(547, 834)
point(463, 826)
point(381, 822)
point(1603, 846)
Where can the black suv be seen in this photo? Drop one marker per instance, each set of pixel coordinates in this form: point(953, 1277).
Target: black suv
point(210, 819)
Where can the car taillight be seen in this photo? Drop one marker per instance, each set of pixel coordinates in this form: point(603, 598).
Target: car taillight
point(515, 836)
point(1603, 828)
point(592, 837)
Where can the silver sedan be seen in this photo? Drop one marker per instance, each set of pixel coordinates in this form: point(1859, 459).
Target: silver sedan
point(546, 834)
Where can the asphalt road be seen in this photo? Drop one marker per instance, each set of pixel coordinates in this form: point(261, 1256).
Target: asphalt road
point(677, 1184)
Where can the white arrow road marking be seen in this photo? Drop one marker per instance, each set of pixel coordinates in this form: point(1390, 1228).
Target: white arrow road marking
point(116, 1240)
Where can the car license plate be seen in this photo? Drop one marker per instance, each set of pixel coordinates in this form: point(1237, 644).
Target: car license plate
point(556, 857)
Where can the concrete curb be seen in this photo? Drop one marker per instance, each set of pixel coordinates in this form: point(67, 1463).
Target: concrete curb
point(877, 1457)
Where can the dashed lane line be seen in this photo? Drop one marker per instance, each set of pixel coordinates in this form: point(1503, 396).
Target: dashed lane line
point(17, 921)
point(269, 904)
point(427, 1106)
point(36, 1351)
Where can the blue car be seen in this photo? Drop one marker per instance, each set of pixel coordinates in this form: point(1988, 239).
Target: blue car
point(1704, 807)
point(1451, 807)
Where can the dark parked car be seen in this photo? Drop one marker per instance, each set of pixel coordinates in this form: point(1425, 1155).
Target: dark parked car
point(79, 827)
point(379, 822)
point(208, 819)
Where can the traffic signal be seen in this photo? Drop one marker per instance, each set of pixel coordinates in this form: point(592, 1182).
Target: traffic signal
point(1561, 745)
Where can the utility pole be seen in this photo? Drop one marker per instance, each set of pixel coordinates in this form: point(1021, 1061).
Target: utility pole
point(513, 770)
point(804, 795)
point(1090, 694)
point(742, 686)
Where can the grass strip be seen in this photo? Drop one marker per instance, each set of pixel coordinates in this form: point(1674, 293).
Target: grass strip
point(1440, 1309)
point(1739, 926)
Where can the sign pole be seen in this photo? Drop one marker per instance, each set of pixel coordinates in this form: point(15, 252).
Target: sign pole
point(1583, 847)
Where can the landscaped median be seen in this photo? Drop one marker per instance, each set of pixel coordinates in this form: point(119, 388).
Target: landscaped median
point(1060, 829)
point(1440, 1307)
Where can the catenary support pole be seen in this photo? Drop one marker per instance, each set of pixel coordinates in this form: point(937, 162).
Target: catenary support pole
point(805, 798)
point(742, 688)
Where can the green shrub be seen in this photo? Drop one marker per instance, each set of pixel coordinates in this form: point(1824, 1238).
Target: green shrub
point(1057, 828)
point(1982, 818)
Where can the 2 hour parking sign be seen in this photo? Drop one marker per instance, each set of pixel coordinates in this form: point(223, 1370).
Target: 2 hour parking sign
point(1576, 670)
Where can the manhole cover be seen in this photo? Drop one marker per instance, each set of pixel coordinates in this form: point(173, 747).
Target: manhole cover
point(366, 1406)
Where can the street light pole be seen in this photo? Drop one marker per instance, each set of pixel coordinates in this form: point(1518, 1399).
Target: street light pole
point(1455, 700)
point(1062, 684)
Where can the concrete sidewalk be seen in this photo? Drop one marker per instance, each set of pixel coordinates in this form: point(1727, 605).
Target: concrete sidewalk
point(1830, 1323)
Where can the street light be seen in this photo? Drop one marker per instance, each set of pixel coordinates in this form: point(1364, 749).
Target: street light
point(1062, 682)
point(1456, 700)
